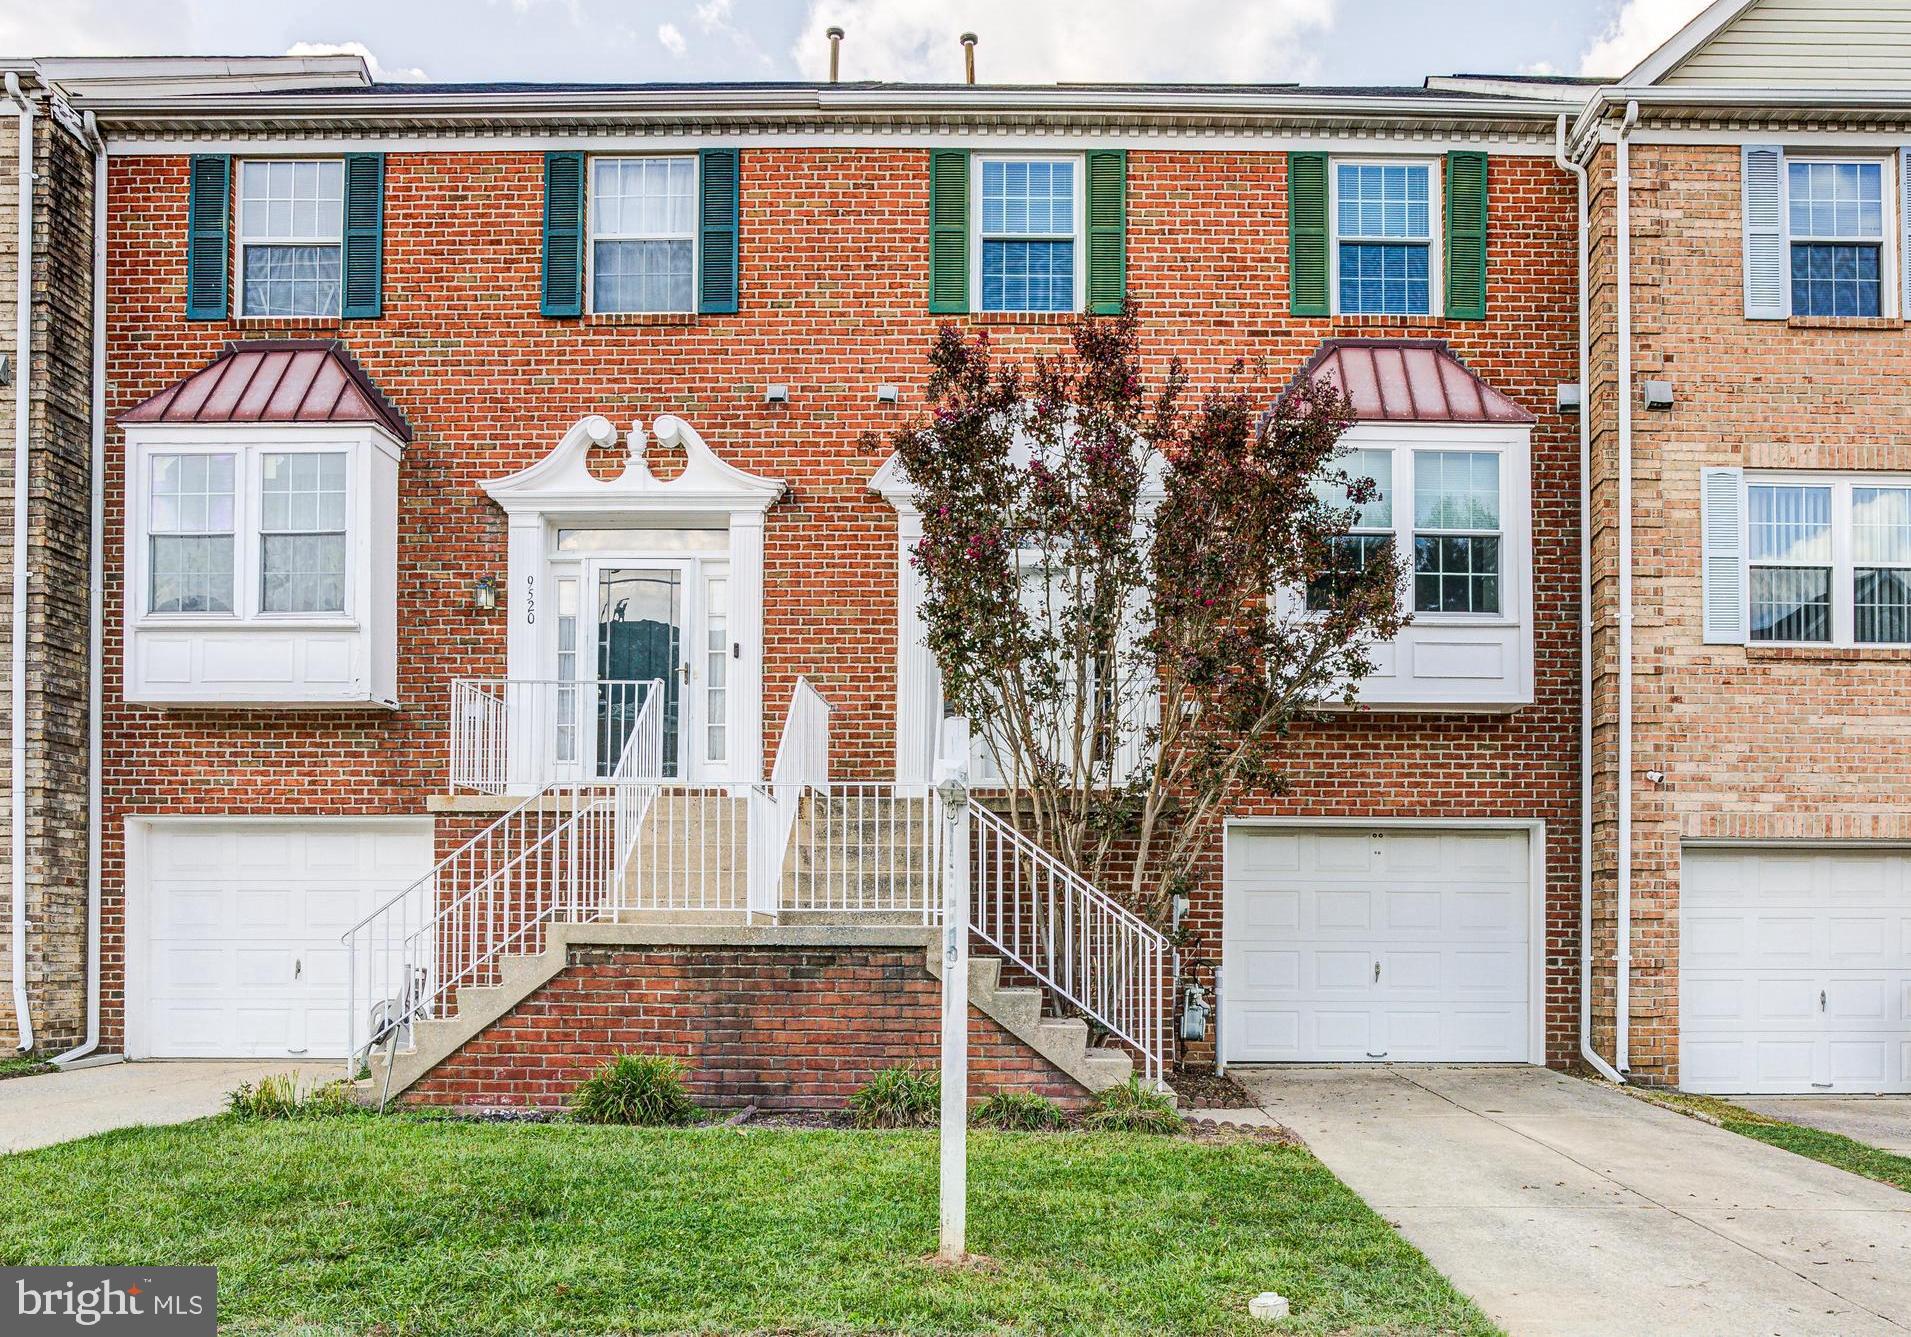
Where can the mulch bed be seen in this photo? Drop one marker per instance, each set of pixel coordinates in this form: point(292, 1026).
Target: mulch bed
point(1206, 1089)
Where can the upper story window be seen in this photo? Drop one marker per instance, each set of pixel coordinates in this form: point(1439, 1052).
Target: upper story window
point(1837, 220)
point(1029, 218)
point(1384, 224)
point(291, 233)
point(1829, 560)
point(643, 222)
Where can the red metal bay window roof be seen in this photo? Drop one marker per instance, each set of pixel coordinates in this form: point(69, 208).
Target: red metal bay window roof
point(275, 381)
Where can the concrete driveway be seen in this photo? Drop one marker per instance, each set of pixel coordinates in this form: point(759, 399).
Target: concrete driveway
point(1562, 1206)
point(1878, 1121)
point(60, 1106)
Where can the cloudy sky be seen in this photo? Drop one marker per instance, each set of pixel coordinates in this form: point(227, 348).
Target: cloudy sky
point(1315, 41)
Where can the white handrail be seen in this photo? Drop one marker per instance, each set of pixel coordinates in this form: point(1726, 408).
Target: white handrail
point(519, 734)
point(560, 853)
point(801, 766)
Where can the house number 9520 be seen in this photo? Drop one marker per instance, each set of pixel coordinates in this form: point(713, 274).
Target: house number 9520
point(530, 599)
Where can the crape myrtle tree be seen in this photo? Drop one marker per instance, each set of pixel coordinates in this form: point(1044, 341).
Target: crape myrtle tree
point(1131, 596)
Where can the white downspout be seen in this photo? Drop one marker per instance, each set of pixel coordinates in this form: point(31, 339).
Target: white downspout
point(1622, 1045)
point(96, 590)
point(17, 721)
point(1586, 1050)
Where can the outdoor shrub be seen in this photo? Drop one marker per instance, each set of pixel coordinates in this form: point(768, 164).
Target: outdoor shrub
point(900, 1097)
point(644, 1089)
point(1019, 1111)
point(1133, 1108)
point(279, 1096)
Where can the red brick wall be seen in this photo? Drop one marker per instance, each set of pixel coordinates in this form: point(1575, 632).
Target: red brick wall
point(778, 1027)
point(1756, 743)
point(833, 274)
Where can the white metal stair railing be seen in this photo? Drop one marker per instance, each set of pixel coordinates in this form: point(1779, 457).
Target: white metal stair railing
point(559, 854)
point(1073, 938)
point(801, 768)
point(519, 734)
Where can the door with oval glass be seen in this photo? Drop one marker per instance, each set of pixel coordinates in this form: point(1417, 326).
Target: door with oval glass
point(665, 620)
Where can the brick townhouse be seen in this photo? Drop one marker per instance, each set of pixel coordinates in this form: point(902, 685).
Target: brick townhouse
point(509, 648)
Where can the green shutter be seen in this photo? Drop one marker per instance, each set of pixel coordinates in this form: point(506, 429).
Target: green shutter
point(717, 231)
point(364, 236)
point(563, 234)
point(1466, 236)
point(948, 231)
point(208, 209)
point(1307, 234)
point(1107, 229)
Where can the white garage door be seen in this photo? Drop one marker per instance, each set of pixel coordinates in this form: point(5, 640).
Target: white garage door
point(240, 925)
point(1795, 970)
point(1344, 945)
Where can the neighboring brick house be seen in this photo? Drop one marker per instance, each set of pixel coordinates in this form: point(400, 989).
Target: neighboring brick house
point(1767, 786)
point(471, 450)
point(47, 604)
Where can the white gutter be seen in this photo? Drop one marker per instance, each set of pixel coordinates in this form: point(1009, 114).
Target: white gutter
point(1622, 1043)
point(96, 591)
point(17, 719)
point(1586, 1050)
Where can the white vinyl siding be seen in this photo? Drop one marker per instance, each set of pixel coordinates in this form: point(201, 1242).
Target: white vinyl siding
point(1805, 44)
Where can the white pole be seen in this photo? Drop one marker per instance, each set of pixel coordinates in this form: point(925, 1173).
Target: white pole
point(953, 789)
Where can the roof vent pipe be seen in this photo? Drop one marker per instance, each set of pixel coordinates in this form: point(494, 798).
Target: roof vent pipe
point(968, 57)
point(835, 36)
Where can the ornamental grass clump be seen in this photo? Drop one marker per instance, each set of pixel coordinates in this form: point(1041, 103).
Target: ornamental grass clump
point(1133, 1108)
point(640, 1089)
point(900, 1097)
point(279, 1096)
point(1019, 1111)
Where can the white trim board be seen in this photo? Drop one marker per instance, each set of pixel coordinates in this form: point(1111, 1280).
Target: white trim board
point(1535, 829)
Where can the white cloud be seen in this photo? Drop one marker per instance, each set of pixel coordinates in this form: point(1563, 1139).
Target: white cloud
point(1046, 41)
point(410, 74)
point(1637, 30)
point(672, 39)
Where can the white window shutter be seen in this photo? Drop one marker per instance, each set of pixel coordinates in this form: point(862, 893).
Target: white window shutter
point(1766, 267)
point(1904, 229)
point(1722, 540)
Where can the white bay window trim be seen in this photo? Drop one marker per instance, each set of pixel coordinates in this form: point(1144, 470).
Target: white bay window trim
point(1730, 562)
point(248, 656)
point(1457, 661)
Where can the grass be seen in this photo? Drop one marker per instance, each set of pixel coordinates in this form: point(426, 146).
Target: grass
point(1832, 1148)
point(23, 1065)
point(409, 1225)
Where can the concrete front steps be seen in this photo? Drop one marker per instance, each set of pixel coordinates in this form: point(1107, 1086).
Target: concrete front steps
point(1062, 1043)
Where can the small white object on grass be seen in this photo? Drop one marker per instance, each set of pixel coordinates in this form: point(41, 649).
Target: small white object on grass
point(1268, 1306)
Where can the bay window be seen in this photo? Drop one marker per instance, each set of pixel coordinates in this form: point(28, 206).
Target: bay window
point(1370, 535)
point(1456, 531)
point(190, 531)
point(302, 533)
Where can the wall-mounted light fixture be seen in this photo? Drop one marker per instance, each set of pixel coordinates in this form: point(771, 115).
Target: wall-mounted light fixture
point(888, 394)
point(1658, 394)
point(1569, 397)
point(484, 594)
point(6, 371)
point(776, 394)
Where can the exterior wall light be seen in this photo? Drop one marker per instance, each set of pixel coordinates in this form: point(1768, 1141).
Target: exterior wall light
point(484, 594)
point(6, 371)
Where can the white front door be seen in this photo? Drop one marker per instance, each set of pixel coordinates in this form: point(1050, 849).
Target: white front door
point(1795, 970)
point(236, 952)
point(1350, 944)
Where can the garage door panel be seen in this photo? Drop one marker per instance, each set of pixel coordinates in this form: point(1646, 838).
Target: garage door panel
point(1451, 946)
point(240, 954)
point(1795, 971)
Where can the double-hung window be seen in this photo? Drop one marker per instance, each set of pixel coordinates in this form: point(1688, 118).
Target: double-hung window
point(1456, 531)
point(1384, 222)
point(643, 221)
point(291, 236)
point(1029, 219)
point(1828, 560)
point(1369, 536)
point(190, 523)
point(302, 533)
point(1837, 224)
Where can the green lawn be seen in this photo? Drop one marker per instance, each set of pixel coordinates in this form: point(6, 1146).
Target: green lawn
point(414, 1226)
point(23, 1066)
point(1831, 1148)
